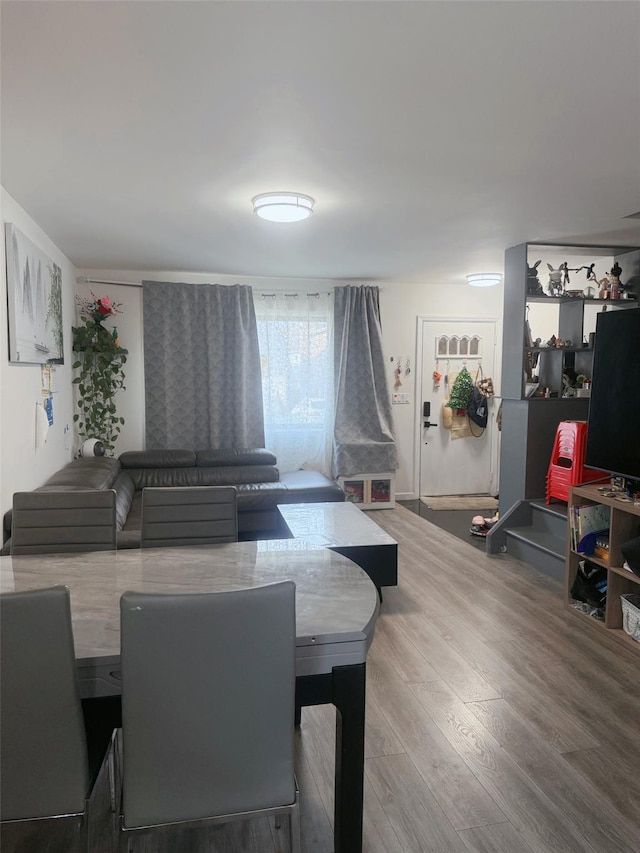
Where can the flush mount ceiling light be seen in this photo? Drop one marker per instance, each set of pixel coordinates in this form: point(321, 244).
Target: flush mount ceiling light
point(484, 279)
point(283, 207)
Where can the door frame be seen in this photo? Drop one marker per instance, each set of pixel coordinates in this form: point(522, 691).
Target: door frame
point(421, 319)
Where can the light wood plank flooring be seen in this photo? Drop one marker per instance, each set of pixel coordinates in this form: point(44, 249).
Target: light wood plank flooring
point(496, 722)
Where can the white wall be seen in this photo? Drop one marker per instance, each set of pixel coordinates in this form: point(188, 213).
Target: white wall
point(400, 305)
point(22, 466)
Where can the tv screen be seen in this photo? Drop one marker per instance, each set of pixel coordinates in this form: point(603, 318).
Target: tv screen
point(613, 436)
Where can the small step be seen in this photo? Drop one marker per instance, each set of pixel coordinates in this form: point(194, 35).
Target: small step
point(540, 549)
point(541, 539)
point(557, 509)
point(547, 519)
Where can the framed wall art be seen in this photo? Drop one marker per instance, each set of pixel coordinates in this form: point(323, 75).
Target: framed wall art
point(34, 289)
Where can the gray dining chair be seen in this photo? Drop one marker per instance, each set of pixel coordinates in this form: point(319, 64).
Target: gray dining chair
point(208, 685)
point(188, 515)
point(45, 779)
point(57, 521)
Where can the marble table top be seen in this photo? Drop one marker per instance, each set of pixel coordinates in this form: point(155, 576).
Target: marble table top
point(333, 524)
point(336, 602)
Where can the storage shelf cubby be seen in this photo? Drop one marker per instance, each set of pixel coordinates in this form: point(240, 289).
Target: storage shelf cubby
point(624, 517)
point(370, 491)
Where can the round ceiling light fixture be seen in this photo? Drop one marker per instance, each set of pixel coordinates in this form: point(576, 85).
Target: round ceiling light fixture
point(283, 207)
point(484, 279)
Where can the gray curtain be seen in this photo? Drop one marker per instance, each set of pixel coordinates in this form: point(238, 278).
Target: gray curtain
point(202, 367)
point(363, 432)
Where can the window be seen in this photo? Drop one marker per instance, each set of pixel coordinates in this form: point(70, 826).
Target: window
point(296, 353)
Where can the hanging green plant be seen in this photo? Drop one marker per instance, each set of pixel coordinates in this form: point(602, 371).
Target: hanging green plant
point(100, 376)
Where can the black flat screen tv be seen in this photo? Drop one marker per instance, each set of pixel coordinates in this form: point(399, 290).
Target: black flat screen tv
point(613, 435)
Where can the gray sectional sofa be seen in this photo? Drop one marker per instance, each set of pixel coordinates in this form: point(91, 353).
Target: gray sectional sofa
point(260, 487)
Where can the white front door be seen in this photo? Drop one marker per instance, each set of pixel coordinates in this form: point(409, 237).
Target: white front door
point(461, 466)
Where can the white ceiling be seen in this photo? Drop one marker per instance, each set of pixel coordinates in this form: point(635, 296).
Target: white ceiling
point(432, 135)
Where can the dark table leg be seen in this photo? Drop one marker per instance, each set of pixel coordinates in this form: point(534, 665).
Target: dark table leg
point(344, 688)
point(349, 699)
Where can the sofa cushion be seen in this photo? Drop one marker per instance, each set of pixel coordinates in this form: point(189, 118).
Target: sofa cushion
point(95, 472)
point(230, 456)
point(254, 496)
point(158, 459)
point(310, 487)
point(232, 475)
point(216, 476)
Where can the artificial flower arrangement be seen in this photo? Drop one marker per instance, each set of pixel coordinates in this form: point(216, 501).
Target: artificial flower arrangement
point(97, 308)
point(100, 367)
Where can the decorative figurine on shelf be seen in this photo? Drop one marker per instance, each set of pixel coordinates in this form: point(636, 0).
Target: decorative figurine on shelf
point(557, 279)
point(534, 288)
point(590, 291)
point(568, 389)
point(589, 270)
point(603, 288)
point(615, 287)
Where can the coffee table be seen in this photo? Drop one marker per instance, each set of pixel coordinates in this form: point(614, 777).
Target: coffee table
point(345, 529)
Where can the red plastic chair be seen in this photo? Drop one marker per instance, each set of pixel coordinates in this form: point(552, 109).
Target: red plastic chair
point(566, 467)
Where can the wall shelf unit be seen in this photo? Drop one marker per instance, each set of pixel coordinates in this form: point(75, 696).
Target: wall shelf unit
point(529, 423)
point(624, 525)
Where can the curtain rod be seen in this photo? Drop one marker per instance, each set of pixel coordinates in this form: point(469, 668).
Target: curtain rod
point(81, 279)
point(315, 295)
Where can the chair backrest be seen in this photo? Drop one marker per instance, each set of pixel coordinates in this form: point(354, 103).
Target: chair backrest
point(57, 521)
point(208, 684)
point(43, 751)
point(188, 515)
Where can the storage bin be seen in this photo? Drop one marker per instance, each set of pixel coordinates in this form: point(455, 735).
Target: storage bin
point(631, 615)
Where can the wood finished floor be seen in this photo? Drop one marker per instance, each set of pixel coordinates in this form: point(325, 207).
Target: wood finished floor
point(496, 722)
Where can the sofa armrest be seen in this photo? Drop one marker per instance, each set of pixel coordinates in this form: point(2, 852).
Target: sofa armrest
point(125, 490)
point(91, 472)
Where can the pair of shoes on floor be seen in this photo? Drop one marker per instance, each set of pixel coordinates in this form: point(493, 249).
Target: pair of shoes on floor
point(481, 526)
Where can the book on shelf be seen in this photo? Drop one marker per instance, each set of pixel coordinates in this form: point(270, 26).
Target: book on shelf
point(585, 520)
point(601, 547)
